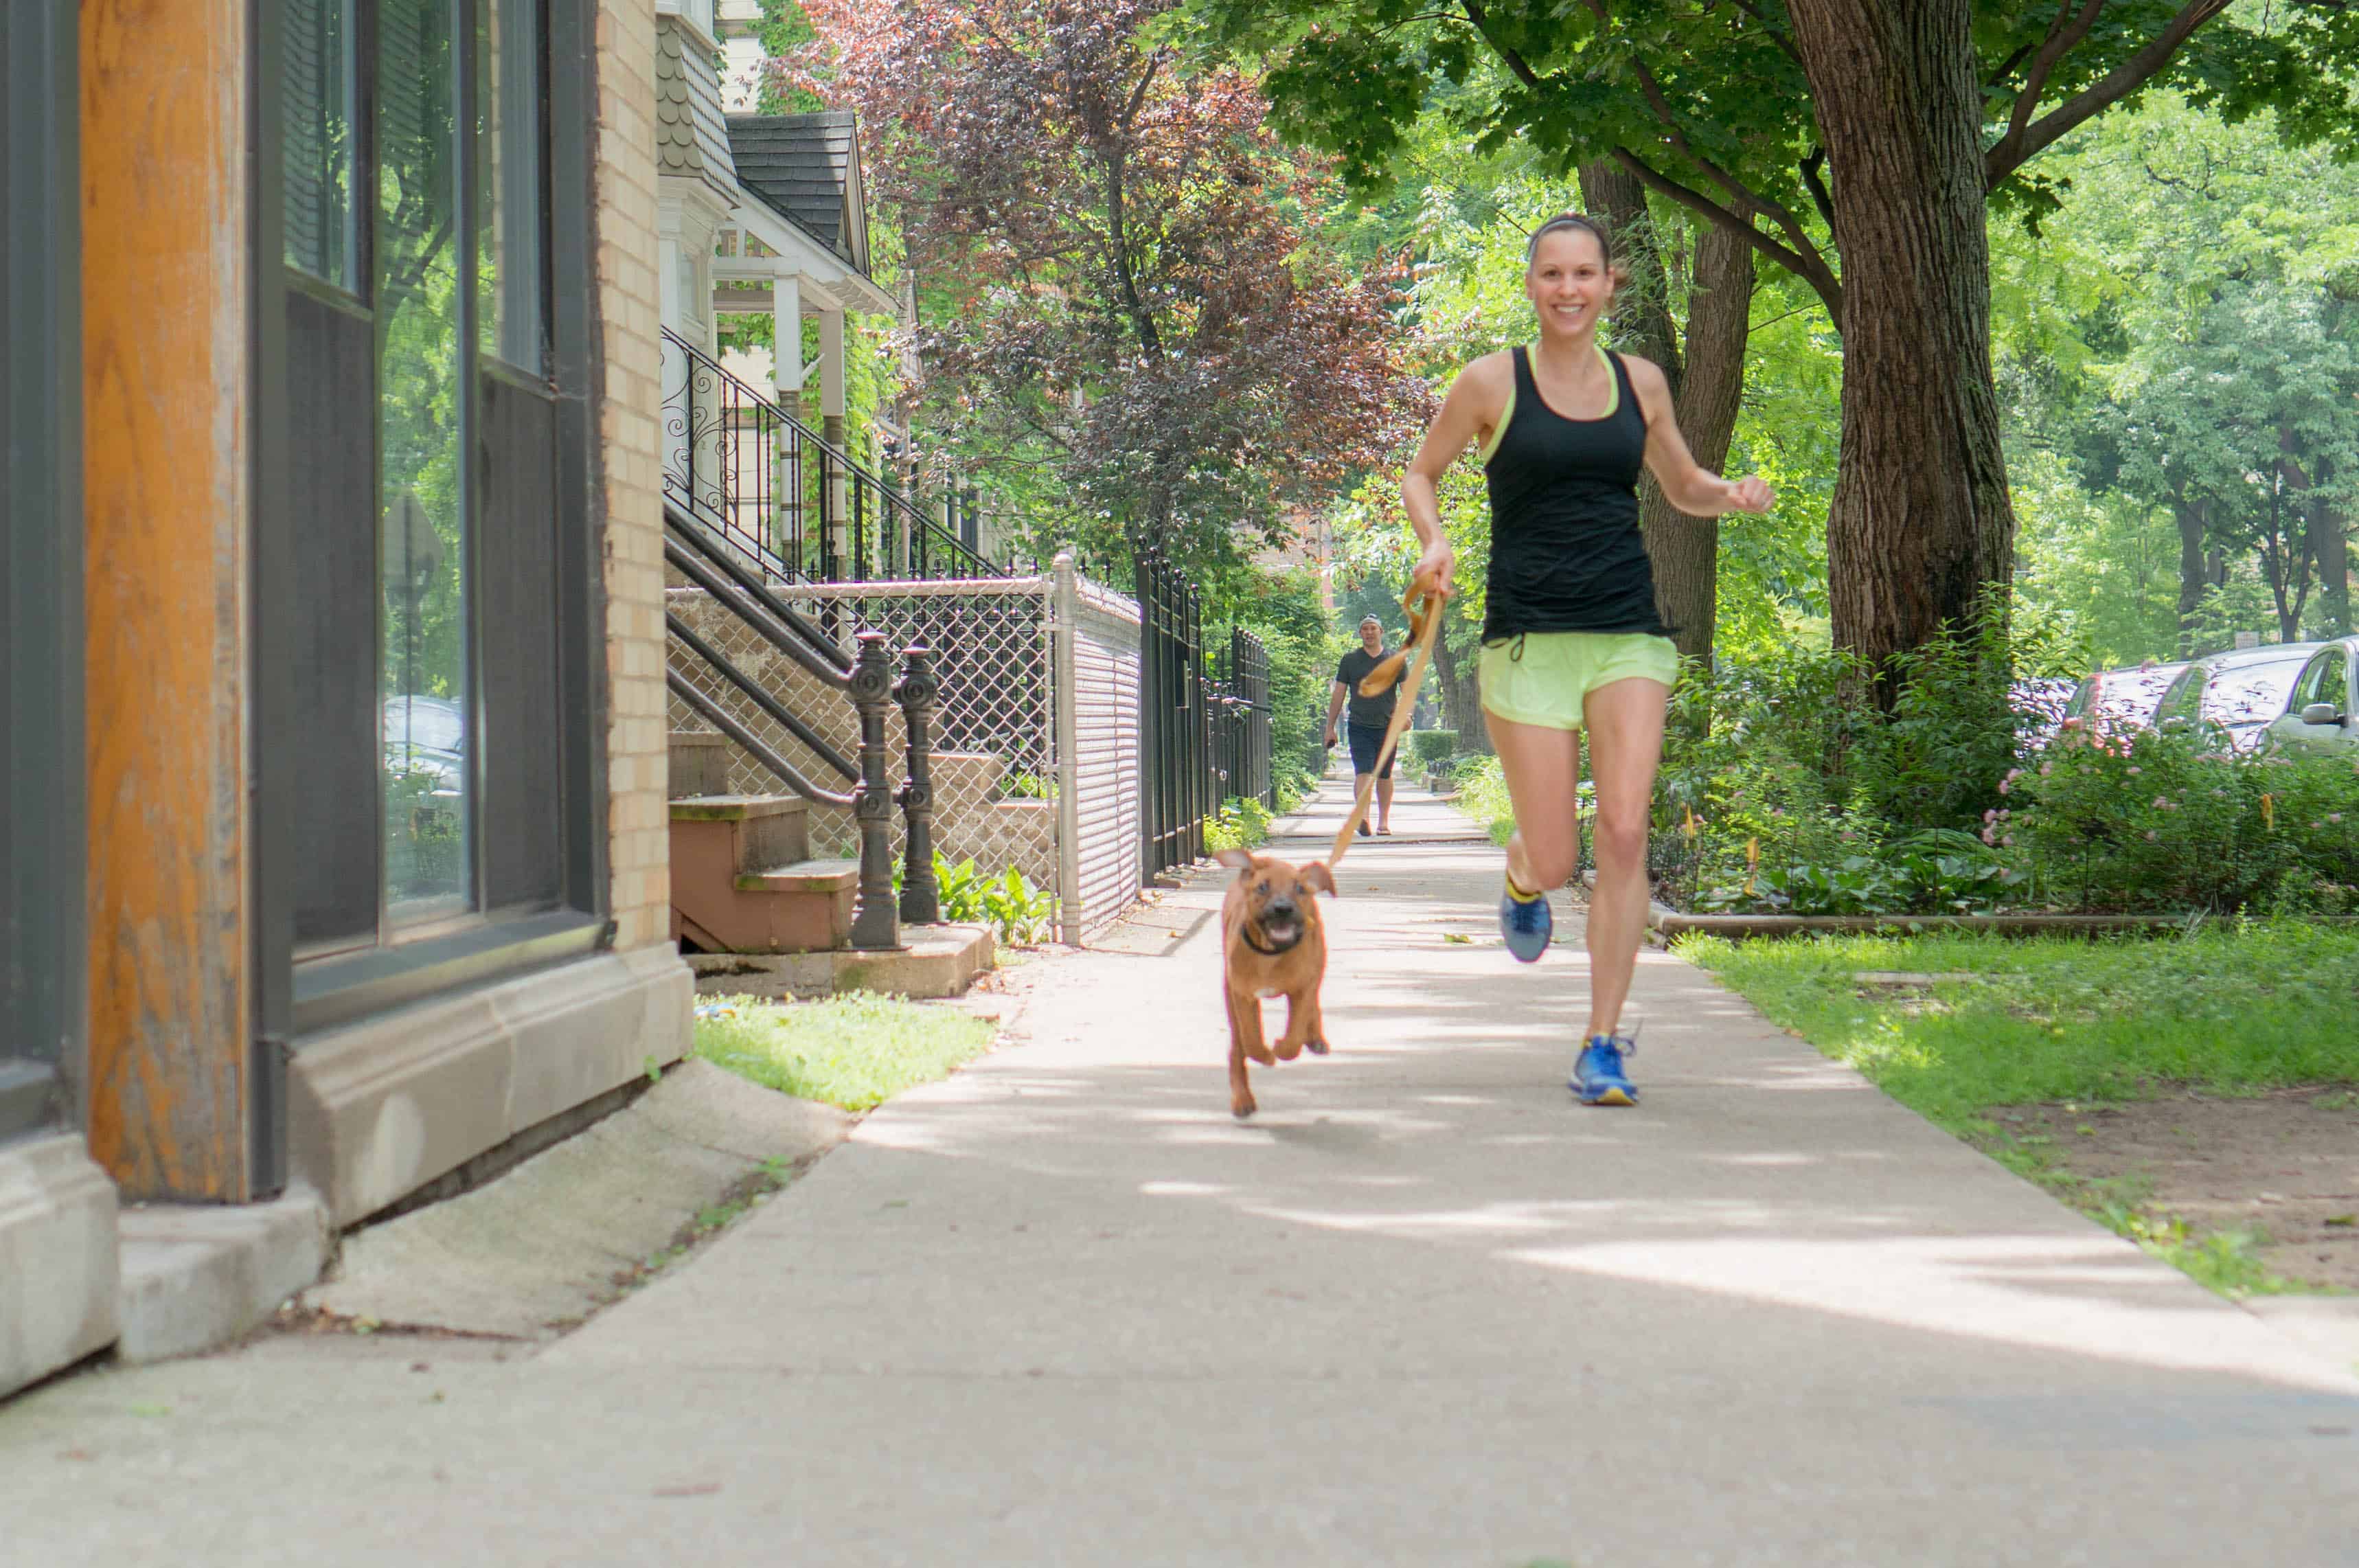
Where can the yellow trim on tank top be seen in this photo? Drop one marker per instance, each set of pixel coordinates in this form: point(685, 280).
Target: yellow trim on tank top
point(1507, 414)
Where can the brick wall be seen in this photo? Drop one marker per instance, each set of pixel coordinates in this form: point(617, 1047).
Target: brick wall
point(630, 410)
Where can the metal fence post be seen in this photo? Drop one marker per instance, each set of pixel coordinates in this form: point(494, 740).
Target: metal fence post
point(921, 896)
point(1065, 611)
point(873, 922)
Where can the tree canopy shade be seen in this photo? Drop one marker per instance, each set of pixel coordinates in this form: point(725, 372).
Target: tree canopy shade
point(1857, 144)
point(1110, 254)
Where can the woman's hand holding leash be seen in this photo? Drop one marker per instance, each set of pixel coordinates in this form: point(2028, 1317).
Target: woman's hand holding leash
point(1433, 570)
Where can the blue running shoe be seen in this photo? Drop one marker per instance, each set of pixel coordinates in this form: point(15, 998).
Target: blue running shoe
point(1525, 924)
point(1597, 1075)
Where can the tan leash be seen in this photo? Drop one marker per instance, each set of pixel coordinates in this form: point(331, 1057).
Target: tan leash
point(1403, 711)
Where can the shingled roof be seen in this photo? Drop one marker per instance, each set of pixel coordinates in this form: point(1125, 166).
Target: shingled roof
point(807, 167)
point(690, 137)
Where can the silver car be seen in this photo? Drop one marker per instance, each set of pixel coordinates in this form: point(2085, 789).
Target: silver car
point(2113, 700)
point(2320, 710)
point(2242, 691)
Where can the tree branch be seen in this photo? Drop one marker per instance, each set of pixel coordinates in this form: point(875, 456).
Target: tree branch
point(2064, 33)
point(1811, 269)
point(1741, 197)
point(1785, 45)
point(2118, 83)
point(1819, 195)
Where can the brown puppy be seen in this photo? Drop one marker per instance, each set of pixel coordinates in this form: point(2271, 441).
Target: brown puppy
point(1272, 944)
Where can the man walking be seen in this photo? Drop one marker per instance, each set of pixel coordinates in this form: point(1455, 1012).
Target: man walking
point(1369, 717)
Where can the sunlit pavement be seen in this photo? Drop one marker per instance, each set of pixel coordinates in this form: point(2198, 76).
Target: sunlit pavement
point(1423, 1308)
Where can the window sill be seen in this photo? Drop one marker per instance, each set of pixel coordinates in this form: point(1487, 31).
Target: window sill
point(28, 1097)
point(330, 991)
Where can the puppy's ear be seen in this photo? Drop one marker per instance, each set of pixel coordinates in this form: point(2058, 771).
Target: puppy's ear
point(1317, 878)
point(1241, 859)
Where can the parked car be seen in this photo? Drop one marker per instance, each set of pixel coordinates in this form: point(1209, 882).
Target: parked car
point(2242, 691)
point(2042, 701)
point(428, 735)
point(2115, 699)
point(2322, 712)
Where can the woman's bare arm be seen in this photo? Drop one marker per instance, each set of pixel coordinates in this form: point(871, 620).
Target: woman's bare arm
point(1685, 484)
point(1476, 402)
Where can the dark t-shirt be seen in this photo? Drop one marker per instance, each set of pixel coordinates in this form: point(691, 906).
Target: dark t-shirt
point(1374, 712)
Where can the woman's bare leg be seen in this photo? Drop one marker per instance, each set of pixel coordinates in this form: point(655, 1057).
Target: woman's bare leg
point(1542, 767)
point(1625, 743)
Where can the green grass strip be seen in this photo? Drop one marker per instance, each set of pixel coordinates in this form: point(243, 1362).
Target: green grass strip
point(2234, 1009)
point(855, 1051)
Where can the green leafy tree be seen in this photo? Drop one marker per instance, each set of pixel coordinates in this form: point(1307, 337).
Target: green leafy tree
point(1921, 115)
point(1124, 315)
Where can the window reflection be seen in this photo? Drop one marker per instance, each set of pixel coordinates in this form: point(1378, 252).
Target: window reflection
point(427, 752)
point(507, 144)
point(316, 98)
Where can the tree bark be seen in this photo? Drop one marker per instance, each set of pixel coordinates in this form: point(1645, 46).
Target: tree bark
point(2194, 569)
point(1707, 382)
point(1686, 549)
point(1921, 522)
point(1462, 702)
point(2330, 536)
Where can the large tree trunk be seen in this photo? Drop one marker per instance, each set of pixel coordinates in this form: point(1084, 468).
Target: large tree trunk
point(2329, 543)
point(2194, 569)
point(1462, 699)
point(1920, 522)
point(1686, 573)
point(1707, 381)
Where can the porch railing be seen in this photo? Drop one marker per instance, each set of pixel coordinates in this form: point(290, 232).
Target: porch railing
point(787, 498)
point(865, 682)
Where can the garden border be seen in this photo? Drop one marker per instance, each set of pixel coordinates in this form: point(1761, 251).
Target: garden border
point(1670, 922)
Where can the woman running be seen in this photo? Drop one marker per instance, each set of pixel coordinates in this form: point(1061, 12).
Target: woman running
point(1571, 639)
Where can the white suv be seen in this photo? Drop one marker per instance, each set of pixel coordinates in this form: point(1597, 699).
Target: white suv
point(2321, 714)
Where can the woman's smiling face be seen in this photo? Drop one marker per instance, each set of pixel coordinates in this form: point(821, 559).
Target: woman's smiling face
point(1568, 282)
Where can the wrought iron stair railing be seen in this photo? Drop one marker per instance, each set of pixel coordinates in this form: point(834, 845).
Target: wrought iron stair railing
point(777, 490)
point(865, 682)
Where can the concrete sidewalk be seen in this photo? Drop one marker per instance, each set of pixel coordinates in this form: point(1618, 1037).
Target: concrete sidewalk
point(1423, 1309)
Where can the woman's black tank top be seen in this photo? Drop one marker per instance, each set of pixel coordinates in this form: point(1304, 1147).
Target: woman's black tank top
point(1566, 552)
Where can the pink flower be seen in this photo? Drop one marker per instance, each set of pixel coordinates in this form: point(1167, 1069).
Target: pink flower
point(1991, 815)
point(2135, 771)
point(2333, 816)
point(2151, 836)
point(2008, 841)
point(2045, 768)
point(1989, 836)
point(2159, 803)
point(2007, 785)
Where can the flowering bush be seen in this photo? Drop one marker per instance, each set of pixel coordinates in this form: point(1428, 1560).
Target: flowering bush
point(2177, 820)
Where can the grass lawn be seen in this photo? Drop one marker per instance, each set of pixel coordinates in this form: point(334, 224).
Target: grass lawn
point(855, 1051)
point(1958, 1026)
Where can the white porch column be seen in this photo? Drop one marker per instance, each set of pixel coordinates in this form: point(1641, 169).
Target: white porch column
point(787, 371)
point(830, 374)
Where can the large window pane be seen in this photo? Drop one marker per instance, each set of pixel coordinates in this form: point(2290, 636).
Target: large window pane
point(316, 97)
point(429, 738)
point(508, 145)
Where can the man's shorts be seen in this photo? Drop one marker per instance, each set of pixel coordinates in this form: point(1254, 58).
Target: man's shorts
point(1366, 741)
point(1542, 678)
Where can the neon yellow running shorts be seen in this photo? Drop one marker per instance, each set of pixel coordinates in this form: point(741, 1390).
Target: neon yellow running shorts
point(1542, 678)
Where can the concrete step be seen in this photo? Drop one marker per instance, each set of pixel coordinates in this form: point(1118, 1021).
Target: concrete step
point(827, 878)
point(752, 831)
point(700, 763)
point(935, 961)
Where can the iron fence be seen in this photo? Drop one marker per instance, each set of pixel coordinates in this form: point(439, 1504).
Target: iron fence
point(1034, 718)
point(790, 499)
point(1241, 720)
point(1175, 732)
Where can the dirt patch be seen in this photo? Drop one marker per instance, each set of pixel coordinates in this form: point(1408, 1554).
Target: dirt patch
point(2285, 1165)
